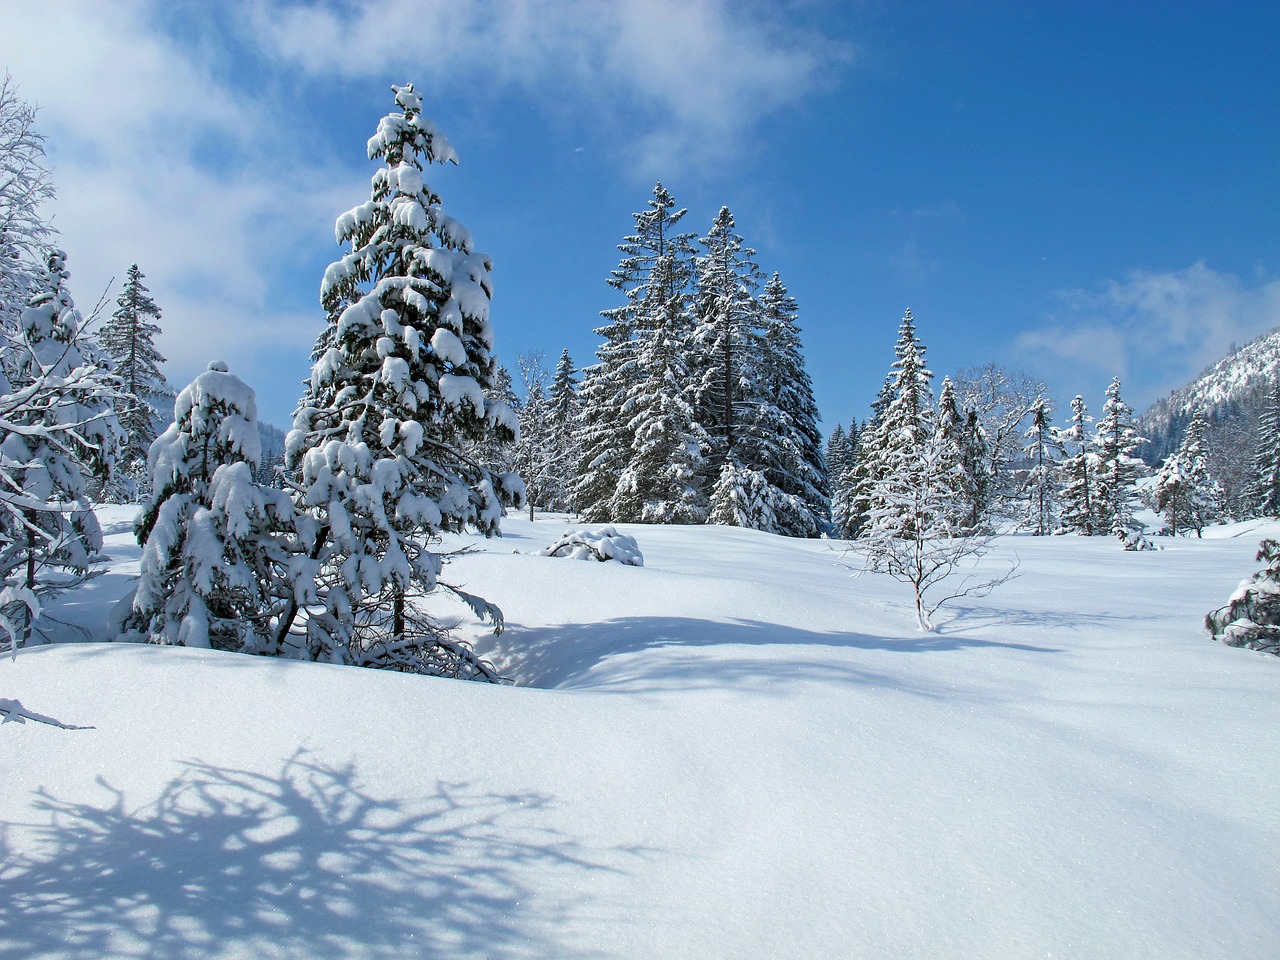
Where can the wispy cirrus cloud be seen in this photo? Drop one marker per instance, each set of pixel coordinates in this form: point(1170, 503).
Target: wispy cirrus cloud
point(1155, 330)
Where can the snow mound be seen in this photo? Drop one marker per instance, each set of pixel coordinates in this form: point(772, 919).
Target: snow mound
point(604, 544)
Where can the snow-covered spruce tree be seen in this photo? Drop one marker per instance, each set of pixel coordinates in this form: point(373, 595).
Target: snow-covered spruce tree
point(25, 185)
point(1251, 618)
point(785, 425)
point(214, 543)
point(659, 483)
point(57, 432)
point(128, 338)
point(1115, 439)
point(914, 500)
point(905, 416)
point(1265, 493)
point(1185, 493)
point(604, 436)
point(563, 412)
point(978, 467)
point(1079, 471)
point(841, 459)
point(1042, 450)
point(837, 456)
point(950, 438)
point(534, 457)
point(726, 343)
point(496, 451)
point(398, 392)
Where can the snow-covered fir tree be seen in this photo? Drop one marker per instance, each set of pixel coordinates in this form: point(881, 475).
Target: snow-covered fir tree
point(837, 456)
point(605, 437)
point(742, 497)
point(841, 459)
point(128, 338)
point(1042, 449)
point(58, 432)
point(1079, 496)
point(905, 416)
point(726, 342)
point(563, 412)
point(1265, 492)
point(784, 427)
point(214, 543)
point(534, 456)
point(1115, 439)
point(1186, 494)
point(949, 436)
point(25, 186)
point(398, 392)
point(660, 482)
point(978, 473)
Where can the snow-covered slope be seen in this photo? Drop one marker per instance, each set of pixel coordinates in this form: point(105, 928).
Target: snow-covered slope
point(1232, 387)
point(737, 750)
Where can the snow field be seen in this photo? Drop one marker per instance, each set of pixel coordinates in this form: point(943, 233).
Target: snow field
point(736, 750)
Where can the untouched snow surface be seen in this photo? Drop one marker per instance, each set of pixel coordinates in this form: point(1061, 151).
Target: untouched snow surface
point(735, 751)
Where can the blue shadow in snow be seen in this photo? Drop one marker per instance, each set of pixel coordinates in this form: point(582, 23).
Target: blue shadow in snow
point(554, 656)
point(305, 863)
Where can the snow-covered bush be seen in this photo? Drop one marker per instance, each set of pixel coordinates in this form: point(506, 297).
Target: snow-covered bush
point(212, 539)
point(603, 544)
point(1251, 617)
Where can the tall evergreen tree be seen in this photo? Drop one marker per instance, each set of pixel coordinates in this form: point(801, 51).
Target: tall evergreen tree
point(563, 411)
point(1115, 440)
point(533, 456)
point(128, 337)
point(785, 426)
point(605, 436)
point(1042, 448)
point(906, 417)
point(725, 338)
point(396, 394)
point(908, 424)
point(659, 484)
point(1080, 494)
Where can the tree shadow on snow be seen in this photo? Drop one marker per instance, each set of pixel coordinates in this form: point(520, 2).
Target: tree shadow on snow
point(554, 656)
point(303, 864)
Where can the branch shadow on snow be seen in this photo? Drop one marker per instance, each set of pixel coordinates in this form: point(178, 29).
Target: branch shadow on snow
point(562, 655)
point(303, 864)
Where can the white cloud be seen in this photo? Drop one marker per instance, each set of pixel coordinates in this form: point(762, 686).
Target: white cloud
point(131, 120)
point(677, 83)
point(164, 153)
point(1156, 331)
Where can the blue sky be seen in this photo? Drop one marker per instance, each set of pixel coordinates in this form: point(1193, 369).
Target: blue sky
point(1073, 190)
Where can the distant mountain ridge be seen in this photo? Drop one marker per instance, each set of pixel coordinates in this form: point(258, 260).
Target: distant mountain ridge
point(1230, 391)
